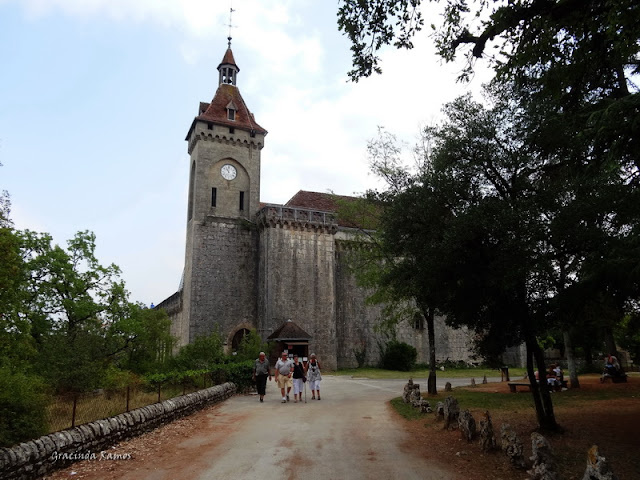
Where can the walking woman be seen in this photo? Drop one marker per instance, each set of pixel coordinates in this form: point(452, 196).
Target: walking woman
point(314, 376)
point(298, 379)
point(260, 373)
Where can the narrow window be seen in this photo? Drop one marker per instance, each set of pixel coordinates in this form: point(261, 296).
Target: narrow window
point(241, 201)
point(210, 126)
point(232, 130)
point(213, 196)
point(231, 114)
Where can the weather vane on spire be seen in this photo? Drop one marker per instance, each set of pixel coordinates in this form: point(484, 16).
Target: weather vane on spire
point(231, 10)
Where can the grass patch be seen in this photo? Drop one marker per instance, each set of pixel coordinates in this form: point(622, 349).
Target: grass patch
point(407, 410)
point(379, 373)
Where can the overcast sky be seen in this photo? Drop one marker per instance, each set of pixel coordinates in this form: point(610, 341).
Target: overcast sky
point(96, 98)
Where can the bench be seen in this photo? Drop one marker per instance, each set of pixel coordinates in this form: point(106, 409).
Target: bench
point(514, 385)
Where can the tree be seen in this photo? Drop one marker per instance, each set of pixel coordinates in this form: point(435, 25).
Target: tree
point(70, 301)
point(141, 341)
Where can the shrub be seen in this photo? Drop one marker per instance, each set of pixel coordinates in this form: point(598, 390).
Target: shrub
point(398, 356)
point(205, 352)
point(22, 407)
point(250, 347)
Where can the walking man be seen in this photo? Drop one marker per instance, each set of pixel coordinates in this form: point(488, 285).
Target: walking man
point(284, 371)
point(260, 373)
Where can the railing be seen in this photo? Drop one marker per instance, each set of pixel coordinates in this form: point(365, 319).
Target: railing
point(296, 214)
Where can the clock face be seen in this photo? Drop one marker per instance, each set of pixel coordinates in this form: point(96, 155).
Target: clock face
point(228, 172)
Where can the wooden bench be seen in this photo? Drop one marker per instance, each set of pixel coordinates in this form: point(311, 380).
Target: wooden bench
point(514, 385)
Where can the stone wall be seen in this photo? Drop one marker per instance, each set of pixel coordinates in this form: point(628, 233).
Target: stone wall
point(296, 277)
point(223, 283)
point(35, 458)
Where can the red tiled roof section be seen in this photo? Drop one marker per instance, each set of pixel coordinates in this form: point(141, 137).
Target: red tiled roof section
point(228, 59)
point(329, 202)
point(217, 110)
point(325, 202)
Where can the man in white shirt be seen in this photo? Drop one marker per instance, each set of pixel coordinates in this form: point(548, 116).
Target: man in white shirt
point(284, 371)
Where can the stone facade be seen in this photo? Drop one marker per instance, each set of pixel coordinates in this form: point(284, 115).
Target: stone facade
point(250, 265)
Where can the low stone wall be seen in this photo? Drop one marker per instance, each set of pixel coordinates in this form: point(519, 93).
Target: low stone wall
point(38, 457)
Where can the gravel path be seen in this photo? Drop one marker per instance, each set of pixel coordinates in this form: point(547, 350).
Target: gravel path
point(349, 434)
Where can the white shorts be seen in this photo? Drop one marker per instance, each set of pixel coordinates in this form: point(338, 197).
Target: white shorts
point(315, 385)
point(298, 386)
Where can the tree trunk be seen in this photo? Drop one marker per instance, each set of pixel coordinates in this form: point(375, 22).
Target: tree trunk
point(609, 342)
point(539, 390)
point(430, 318)
point(571, 360)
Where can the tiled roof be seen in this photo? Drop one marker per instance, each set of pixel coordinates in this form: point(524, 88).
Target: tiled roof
point(289, 331)
point(216, 111)
point(228, 59)
point(328, 202)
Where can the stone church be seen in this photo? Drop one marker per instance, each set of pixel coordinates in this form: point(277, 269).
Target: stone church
point(253, 265)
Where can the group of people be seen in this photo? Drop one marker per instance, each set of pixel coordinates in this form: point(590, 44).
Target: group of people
point(554, 376)
point(289, 373)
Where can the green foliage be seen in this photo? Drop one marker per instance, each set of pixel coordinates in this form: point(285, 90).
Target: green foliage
point(407, 410)
point(140, 340)
point(239, 373)
point(250, 347)
point(22, 406)
point(628, 335)
point(398, 356)
point(204, 353)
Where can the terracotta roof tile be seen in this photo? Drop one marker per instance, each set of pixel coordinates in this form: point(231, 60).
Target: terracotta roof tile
point(228, 59)
point(328, 202)
point(216, 111)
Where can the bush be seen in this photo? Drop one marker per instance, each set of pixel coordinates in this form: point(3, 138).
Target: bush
point(204, 353)
point(398, 356)
point(22, 407)
point(251, 346)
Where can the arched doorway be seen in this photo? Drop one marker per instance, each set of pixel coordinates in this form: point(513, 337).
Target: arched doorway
point(237, 338)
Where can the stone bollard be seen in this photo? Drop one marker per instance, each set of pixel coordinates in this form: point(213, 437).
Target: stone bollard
point(451, 412)
point(597, 467)
point(487, 437)
point(512, 446)
point(467, 425)
point(484, 380)
point(447, 387)
point(408, 388)
point(543, 465)
point(414, 397)
point(425, 407)
point(440, 410)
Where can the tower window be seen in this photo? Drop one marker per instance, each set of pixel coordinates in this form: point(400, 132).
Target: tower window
point(232, 130)
point(231, 114)
point(241, 201)
point(418, 321)
point(214, 192)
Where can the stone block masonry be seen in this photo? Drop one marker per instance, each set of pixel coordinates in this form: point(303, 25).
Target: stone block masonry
point(35, 458)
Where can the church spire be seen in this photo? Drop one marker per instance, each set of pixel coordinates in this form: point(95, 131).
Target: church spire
point(228, 70)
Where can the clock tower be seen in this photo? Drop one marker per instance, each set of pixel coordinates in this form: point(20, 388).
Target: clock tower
point(219, 280)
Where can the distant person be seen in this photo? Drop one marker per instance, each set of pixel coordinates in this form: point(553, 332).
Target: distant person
point(284, 371)
point(611, 367)
point(260, 373)
point(298, 379)
point(314, 376)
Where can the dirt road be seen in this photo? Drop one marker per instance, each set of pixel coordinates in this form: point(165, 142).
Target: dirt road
point(349, 434)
